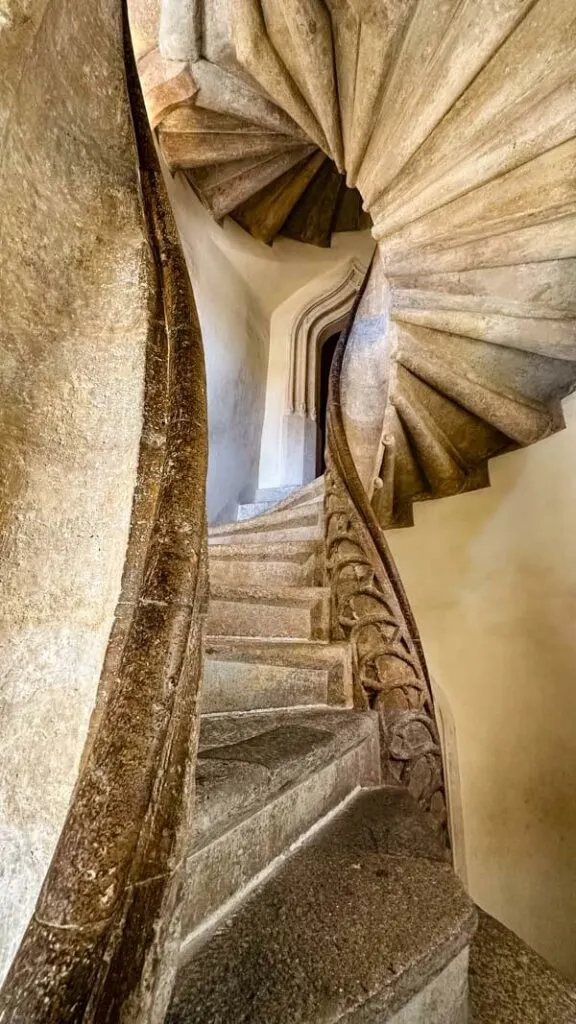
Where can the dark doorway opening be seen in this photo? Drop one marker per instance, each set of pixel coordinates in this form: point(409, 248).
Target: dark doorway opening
point(324, 363)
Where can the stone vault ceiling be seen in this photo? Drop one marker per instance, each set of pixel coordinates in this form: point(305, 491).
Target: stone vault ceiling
point(455, 122)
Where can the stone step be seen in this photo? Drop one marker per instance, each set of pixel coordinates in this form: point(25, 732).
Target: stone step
point(276, 494)
point(248, 675)
point(253, 508)
point(365, 921)
point(262, 780)
point(272, 535)
point(511, 984)
point(306, 514)
point(298, 613)
point(288, 564)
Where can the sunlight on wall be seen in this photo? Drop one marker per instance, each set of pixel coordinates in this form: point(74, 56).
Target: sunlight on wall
point(492, 579)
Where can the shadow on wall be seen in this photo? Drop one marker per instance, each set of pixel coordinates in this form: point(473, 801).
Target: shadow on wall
point(235, 336)
point(492, 579)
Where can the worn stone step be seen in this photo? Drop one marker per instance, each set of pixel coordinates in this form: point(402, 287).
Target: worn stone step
point(300, 613)
point(306, 514)
point(272, 535)
point(262, 780)
point(289, 564)
point(249, 675)
point(511, 984)
point(365, 922)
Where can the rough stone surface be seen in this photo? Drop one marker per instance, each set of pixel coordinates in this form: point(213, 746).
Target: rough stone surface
point(262, 781)
point(292, 612)
point(511, 984)
point(245, 676)
point(92, 259)
point(72, 350)
point(356, 922)
point(443, 1001)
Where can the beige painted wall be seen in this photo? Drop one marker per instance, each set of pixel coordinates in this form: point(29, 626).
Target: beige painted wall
point(492, 579)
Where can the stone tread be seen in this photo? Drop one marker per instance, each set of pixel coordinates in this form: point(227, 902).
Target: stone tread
point(247, 674)
point(276, 595)
point(356, 921)
point(511, 984)
point(303, 653)
point(274, 534)
point(264, 551)
point(245, 761)
point(305, 514)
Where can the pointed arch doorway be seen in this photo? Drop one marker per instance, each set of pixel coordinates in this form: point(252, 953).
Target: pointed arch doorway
point(313, 330)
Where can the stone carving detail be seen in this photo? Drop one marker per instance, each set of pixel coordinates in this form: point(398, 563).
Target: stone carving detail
point(389, 672)
point(370, 610)
point(321, 316)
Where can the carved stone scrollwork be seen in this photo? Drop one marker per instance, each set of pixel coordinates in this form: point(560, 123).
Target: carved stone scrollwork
point(369, 610)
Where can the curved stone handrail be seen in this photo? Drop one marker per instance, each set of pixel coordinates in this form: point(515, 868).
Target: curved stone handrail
point(103, 940)
point(371, 611)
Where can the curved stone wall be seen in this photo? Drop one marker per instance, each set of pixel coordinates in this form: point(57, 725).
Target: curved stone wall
point(72, 347)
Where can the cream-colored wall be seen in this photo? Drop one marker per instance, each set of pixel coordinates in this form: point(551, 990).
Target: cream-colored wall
point(492, 579)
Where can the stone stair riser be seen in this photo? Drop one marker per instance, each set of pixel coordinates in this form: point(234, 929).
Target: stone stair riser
point(224, 867)
point(243, 618)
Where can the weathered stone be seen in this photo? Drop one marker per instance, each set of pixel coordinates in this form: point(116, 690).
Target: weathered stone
point(262, 781)
point(228, 195)
point(362, 917)
point(511, 984)
point(165, 84)
point(301, 31)
point(245, 676)
point(102, 941)
point(312, 217)
point(264, 214)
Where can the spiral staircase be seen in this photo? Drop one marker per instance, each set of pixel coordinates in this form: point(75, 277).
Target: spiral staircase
point(456, 125)
point(449, 130)
point(311, 882)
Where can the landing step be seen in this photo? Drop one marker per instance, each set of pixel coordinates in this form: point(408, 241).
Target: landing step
point(511, 984)
point(262, 780)
point(365, 922)
point(242, 675)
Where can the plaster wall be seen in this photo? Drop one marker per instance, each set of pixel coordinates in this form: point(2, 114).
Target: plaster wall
point(285, 430)
point(235, 336)
point(248, 295)
point(492, 579)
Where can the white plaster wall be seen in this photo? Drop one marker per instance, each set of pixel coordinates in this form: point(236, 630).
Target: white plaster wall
point(321, 279)
point(235, 336)
point(492, 579)
point(248, 294)
point(275, 272)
